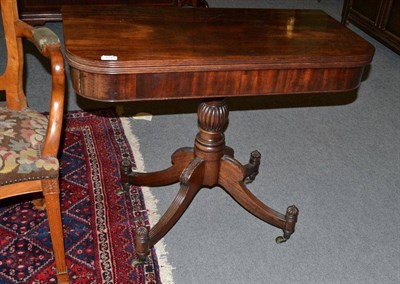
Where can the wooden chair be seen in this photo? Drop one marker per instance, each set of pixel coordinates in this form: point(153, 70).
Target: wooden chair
point(29, 141)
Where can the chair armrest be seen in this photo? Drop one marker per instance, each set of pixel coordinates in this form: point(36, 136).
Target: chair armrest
point(49, 45)
point(43, 37)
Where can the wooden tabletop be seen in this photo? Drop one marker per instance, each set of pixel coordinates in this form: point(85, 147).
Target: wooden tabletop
point(184, 44)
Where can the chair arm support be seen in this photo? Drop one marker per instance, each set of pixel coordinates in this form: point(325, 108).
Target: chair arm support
point(54, 128)
point(49, 45)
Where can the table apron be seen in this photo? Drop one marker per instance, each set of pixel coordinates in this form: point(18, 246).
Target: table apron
point(186, 85)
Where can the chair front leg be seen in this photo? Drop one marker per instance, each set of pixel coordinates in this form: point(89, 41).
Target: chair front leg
point(51, 194)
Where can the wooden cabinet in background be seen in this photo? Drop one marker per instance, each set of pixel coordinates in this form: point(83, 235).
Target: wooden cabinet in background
point(37, 12)
point(379, 18)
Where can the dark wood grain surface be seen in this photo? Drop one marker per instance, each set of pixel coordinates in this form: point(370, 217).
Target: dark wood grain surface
point(162, 52)
point(39, 12)
point(378, 18)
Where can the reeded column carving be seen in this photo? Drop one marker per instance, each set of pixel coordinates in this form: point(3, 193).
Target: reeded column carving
point(213, 116)
point(212, 121)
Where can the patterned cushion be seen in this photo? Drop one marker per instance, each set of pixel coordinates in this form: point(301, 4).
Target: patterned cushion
point(22, 134)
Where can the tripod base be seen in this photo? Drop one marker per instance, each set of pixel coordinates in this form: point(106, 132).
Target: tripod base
point(210, 163)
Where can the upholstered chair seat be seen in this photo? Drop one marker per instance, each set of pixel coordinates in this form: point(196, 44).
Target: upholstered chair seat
point(22, 135)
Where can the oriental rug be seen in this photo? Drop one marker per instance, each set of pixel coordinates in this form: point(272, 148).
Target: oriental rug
point(99, 221)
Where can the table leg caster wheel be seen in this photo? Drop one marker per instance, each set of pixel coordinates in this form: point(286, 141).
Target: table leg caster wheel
point(291, 218)
point(280, 240)
point(126, 169)
point(136, 261)
point(141, 244)
point(249, 180)
point(252, 167)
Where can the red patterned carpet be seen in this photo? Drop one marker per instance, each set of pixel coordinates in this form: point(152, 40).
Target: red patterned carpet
point(98, 223)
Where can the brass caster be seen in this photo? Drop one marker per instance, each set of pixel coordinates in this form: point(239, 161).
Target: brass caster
point(124, 189)
point(126, 170)
point(252, 167)
point(121, 192)
point(136, 262)
point(142, 243)
point(248, 180)
point(291, 218)
point(280, 240)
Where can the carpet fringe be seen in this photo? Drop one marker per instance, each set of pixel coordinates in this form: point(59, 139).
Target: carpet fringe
point(151, 205)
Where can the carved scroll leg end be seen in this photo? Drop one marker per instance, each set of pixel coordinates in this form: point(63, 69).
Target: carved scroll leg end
point(252, 167)
point(141, 244)
point(291, 218)
point(126, 170)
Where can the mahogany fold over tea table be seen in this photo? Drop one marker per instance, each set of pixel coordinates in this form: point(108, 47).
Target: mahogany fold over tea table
point(126, 53)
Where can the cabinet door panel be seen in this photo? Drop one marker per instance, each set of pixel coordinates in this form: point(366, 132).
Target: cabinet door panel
point(367, 8)
point(379, 18)
point(393, 23)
